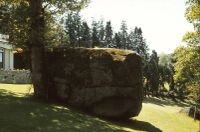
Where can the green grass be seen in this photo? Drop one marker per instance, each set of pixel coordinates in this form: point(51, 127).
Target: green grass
point(21, 113)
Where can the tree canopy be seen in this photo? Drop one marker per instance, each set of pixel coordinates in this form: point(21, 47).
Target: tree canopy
point(187, 65)
point(15, 19)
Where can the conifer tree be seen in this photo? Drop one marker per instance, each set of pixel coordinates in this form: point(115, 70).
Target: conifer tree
point(154, 73)
point(95, 38)
point(124, 34)
point(132, 37)
point(109, 35)
point(101, 33)
point(117, 41)
point(73, 28)
point(85, 35)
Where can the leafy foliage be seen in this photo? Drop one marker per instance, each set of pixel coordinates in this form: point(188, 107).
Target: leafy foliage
point(193, 16)
point(187, 66)
point(166, 70)
point(15, 22)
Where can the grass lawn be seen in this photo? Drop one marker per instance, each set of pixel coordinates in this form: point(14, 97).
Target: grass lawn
point(20, 113)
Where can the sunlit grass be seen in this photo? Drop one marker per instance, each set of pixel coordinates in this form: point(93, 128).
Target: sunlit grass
point(24, 114)
point(167, 117)
point(19, 89)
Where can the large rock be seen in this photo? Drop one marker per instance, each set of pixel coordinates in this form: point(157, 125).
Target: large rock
point(107, 82)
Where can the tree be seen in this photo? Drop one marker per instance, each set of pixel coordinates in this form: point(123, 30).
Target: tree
point(36, 40)
point(187, 72)
point(117, 41)
point(193, 15)
point(109, 35)
point(166, 68)
point(187, 59)
point(154, 73)
point(15, 23)
point(37, 43)
point(139, 43)
point(62, 38)
point(166, 71)
point(101, 32)
point(73, 28)
point(132, 39)
point(95, 38)
point(85, 35)
point(124, 34)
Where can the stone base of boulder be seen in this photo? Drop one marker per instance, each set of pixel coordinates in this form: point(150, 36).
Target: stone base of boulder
point(107, 82)
point(117, 107)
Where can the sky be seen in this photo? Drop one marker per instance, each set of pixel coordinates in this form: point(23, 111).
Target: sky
point(162, 21)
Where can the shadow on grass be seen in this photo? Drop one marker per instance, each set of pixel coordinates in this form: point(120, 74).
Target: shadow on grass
point(136, 125)
point(25, 114)
point(165, 102)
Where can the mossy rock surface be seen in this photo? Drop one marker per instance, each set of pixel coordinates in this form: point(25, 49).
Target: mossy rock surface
point(107, 82)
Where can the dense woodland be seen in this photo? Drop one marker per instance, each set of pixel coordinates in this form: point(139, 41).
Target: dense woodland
point(36, 24)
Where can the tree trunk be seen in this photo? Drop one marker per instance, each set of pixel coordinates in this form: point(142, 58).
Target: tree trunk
point(36, 42)
point(37, 72)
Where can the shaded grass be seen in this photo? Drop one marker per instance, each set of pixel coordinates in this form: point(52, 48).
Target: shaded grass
point(19, 112)
point(25, 114)
point(165, 102)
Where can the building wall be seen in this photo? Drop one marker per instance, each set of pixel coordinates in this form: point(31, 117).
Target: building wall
point(15, 76)
point(1, 58)
point(8, 59)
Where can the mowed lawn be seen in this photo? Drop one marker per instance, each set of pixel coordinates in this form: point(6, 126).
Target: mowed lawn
point(21, 113)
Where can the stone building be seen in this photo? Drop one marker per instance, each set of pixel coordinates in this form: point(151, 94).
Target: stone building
point(6, 53)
